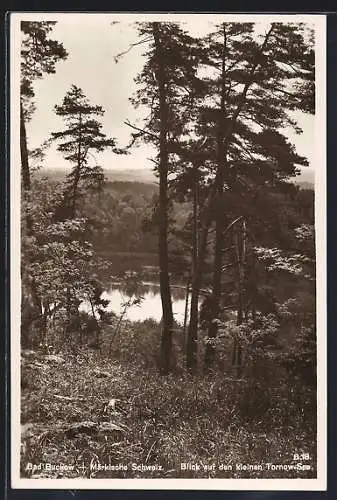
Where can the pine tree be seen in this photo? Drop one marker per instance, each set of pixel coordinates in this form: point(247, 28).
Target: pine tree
point(259, 82)
point(81, 136)
point(165, 84)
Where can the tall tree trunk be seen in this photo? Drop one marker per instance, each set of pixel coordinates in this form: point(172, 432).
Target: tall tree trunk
point(25, 173)
point(224, 138)
point(196, 284)
point(221, 165)
point(26, 185)
point(191, 347)
point(165, 291)
point(192, 335)
point(187, 296)
point(240, 258)
point(253, 287)
point(75, 193)
point(216, 285)
point(77, 170)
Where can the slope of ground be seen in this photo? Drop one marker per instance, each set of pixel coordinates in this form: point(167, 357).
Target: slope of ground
point(97, 417)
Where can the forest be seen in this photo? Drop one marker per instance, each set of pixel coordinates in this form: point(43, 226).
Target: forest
point(225, 233)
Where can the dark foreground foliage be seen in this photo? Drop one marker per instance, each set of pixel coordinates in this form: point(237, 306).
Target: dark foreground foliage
point(84, 408)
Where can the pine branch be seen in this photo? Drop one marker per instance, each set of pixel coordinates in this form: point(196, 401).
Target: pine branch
point(142, 131)
point(247, 85)
point(131, 46)
point(245, 150)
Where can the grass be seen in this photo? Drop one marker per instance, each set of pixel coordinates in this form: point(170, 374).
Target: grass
point(159, 422)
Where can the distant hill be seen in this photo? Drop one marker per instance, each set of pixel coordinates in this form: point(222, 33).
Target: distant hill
point(306, 180)
point(145, 176)
point(132, 175)
point(306, 185)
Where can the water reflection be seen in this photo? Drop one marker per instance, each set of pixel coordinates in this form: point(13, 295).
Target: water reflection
point(150, 306)
point(149, 288)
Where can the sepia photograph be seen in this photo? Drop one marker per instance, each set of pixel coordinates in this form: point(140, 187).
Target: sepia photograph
point(168, 325)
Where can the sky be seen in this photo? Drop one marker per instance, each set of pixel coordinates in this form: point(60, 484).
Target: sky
point(92, 42)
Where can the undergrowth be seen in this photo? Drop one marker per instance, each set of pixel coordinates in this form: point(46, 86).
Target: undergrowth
point(159, 423)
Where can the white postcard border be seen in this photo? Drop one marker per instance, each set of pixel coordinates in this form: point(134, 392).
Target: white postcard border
point(317, 484)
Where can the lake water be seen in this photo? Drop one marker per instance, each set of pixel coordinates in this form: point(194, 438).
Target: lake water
point(150, 306)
